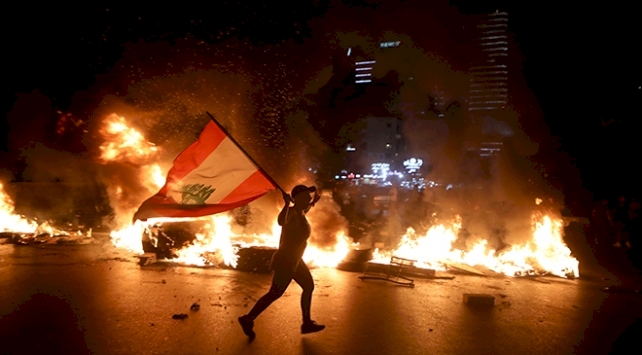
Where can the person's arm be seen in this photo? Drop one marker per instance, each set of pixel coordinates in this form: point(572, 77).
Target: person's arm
point(284, 212)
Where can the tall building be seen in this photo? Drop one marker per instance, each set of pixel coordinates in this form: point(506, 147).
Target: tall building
point(489, 76)
point(383, 140)
point(364, 62)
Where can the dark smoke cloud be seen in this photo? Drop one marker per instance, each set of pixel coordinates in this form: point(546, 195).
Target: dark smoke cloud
point(274, 99)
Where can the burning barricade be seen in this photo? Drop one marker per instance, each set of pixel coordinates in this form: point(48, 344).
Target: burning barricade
point(20, 230)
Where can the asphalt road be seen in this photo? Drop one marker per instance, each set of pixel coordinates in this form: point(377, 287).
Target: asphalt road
point(92, 299)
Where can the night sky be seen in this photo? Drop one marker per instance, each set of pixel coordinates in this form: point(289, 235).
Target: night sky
point(582, 64)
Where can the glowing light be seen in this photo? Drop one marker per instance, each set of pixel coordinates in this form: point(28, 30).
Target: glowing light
point(389, 44)
point(413, 164)
point(9, 220)
point(124, 143)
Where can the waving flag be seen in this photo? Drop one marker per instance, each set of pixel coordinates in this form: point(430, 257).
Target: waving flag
point(212, 175)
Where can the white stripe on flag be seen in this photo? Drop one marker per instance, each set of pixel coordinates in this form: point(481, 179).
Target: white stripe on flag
point(224, 170)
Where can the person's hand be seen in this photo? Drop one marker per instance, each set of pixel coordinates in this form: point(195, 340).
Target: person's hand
point(286, 198)
point(316, 198)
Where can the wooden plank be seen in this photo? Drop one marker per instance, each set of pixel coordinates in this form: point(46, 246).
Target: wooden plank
point(462, 268)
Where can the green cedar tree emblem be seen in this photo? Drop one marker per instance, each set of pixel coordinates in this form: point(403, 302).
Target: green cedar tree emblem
point(195, 194)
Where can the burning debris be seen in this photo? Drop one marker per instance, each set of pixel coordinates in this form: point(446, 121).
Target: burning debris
point(544, 253)
point(218, 241)
point(22, 231)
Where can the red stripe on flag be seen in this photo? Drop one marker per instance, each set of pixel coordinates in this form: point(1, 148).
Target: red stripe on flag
point(195, 154)
point(248, 188)
point(158, 206)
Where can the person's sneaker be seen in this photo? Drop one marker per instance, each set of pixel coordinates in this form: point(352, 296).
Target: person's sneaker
point(311, 327)
point(248, 326)
point(617, 245)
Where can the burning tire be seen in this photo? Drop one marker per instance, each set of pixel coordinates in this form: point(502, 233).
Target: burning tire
point(255, 259)
point(356, 260)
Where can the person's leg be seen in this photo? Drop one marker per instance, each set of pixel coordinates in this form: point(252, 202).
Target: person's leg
point(280, 282)
point(303, 277)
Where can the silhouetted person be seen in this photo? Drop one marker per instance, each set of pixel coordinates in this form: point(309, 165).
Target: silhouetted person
point(634, 223)
point(601, 222)
point(287, 264)
point(621, 219)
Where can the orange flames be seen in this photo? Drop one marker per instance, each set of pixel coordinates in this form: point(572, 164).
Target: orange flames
point(124, 143)
point(9, 220)
point(217, 244)
point(545, 252)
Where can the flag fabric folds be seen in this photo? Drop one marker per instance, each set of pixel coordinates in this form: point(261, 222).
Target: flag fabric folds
point(212, 175)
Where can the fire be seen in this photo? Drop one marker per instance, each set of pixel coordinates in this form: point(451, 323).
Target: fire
point(9, 220)
point(217, 244)
point(124, 143)
point(12, 222)
point(129, 238)
point(544, 253)
point(329, 256)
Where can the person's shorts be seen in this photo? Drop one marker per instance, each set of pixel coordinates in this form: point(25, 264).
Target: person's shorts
point(283, 265)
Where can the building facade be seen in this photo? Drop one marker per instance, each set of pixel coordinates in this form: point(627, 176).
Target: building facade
point(489, 71)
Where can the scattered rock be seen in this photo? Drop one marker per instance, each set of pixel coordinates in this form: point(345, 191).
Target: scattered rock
point(181, 316)
point(195, 307)
point(574, 306)
point(502, 295)
point(430, 330)
point(163, 281)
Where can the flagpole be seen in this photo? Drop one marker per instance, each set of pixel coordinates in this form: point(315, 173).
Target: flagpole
point(245, 152)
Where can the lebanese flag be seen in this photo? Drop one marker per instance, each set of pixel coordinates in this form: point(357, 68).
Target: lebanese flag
point(212, 175)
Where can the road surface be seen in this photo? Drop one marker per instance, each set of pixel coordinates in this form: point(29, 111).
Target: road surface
point(93, 299)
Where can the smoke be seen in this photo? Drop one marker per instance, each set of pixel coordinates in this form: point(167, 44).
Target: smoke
point(286, 104)
point(327, 221)
point(257, 93)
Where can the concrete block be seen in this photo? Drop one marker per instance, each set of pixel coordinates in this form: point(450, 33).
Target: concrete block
point(479, 299)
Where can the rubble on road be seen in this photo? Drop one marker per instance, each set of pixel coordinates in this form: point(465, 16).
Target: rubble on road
point(147, 259)
point(59, 238)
